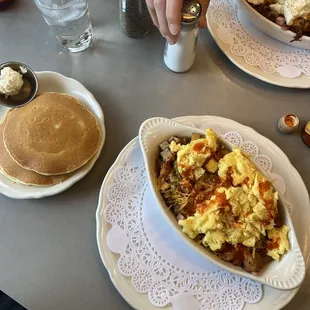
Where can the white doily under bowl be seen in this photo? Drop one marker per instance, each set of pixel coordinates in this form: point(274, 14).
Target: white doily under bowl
point(152, 267)
point(253, 51)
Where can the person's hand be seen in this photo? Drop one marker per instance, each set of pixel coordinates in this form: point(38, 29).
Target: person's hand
point(166, 16)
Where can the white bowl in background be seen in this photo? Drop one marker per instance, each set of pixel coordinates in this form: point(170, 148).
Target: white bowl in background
point(273, 30)
point(284, 275)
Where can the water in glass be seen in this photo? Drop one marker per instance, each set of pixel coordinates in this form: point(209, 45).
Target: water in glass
point(70, 22)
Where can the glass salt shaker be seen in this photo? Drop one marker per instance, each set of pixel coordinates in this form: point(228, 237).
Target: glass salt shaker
point(180, 57)
point(135, 19)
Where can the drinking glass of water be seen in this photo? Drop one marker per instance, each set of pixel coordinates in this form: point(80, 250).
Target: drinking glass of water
point(70, 22)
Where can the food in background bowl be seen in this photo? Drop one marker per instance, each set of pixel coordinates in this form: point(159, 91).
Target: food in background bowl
point(221, 200)
point(291, 15)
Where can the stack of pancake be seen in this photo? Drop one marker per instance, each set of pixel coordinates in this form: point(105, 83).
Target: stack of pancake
point(44, 142)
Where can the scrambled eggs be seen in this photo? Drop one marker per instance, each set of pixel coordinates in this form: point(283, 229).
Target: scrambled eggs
point(191, 157)
point(279, 243)
point(242, 212)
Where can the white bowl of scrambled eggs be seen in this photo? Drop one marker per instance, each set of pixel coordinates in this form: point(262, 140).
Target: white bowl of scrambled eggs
point(271, 28)
point(236, 207)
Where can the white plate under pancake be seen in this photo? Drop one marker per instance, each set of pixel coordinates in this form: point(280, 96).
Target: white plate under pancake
point(54, 82)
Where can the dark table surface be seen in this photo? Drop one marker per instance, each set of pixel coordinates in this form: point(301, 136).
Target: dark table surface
point(49, 257)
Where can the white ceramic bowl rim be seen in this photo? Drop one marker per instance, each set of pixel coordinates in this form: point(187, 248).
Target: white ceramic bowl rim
point(285, 275)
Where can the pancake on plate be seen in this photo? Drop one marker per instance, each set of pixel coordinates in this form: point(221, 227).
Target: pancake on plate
point(14, 172)
point(52, 135)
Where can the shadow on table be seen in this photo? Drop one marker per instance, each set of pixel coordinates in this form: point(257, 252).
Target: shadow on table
point(15, 5)
point(301, 300)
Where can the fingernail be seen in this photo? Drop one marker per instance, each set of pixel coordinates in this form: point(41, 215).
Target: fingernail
point(174, 29)
point(170, 41)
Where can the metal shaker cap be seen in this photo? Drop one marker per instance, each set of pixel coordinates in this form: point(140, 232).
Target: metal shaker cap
point(191, 13)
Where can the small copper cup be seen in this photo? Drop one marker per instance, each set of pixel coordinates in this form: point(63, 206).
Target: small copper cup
point(288, 123)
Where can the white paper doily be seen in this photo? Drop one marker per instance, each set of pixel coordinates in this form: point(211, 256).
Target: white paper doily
point(257, 49)
point(157, 261)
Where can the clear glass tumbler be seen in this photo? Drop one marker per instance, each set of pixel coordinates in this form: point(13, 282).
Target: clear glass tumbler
point(70, 22)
